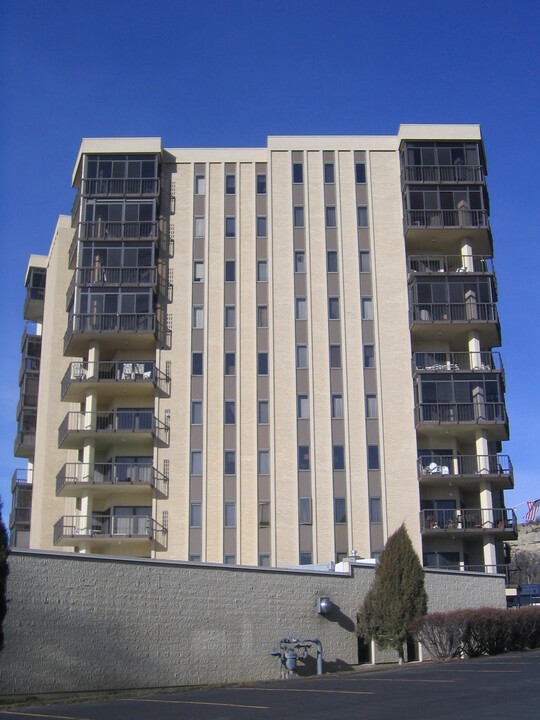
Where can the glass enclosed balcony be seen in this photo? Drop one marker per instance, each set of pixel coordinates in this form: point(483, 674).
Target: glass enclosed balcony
point(99, 479)
point(35, 294)
point(120, 187)
point(442, 162)
point(483, 361)
point(450, 264)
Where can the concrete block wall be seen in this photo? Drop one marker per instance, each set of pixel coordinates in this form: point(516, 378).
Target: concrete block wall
point(80, 622)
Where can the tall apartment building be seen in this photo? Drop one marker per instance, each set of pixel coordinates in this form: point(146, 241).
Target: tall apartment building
point(271, 356)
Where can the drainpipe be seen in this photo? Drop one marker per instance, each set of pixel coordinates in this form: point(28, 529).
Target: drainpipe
point(319, 654)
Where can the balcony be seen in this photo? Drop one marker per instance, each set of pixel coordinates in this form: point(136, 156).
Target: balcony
point(454, 318)
point(25, 443)
point(102, 529)
point(120, 187)
point(470, 521)
point(72, 253)
point(104, 277)
point(428, 264)
point(99, 479)
point(33, 303)
point(31, 331)
point(501, 569)
point(21, 476)
point(489, 416)
point(118, 230)
point(483, 361)
point(75, 208)
point(142, 377)
point(440, 174)
point(466, 470)
point(138, 328)
point(112, 426)
point(28, 402)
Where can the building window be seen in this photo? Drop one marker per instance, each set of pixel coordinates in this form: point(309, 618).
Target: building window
point(230, 316)
point(373, 457)
point(262, 271)
point(304, 511)
point(262, 363)
point(230, 363)
point(229, 515)
point(264, 462)
point(229, 462)
point(333, 308)
point(196, 462)
point(197, 368)
point(261, 226)
point(196, 412)
point(298, 173)
point(371, 406)
point(195, 515)
point(365, 262)
point(330, 216)
point(230, 412)
point(298, 216)
point(230, 226)
point(229, 559)
point(300, 261)
point(198, 271)
point(340, 512)
point(198, 229)
point(264, 560)
point(198, 317)
point(263, 413)
point(337, 407)
point(335, 356)
point(375, 510)
point(360, 173)
point(301, 357)
point(331, 261)
point(305, 558)
point(362, 216)
point(261, 184)
point(230, 184)
point(367, 309)
point(329, 176)
point(338, 457)
point(264, 513)
point(200, 185)
point(230, 270)
point(369, 356)
point(303, 457)
point(194, 557)
point(301, 309)
point(262, 316)
point(303, 407)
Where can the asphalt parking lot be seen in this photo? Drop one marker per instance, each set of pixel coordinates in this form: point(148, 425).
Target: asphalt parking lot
point(505, 686)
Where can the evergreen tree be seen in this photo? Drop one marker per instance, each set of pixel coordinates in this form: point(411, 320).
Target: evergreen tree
point(4, 570)
point(397, 596)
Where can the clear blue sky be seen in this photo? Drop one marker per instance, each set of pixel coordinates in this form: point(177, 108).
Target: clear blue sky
point(207, 73)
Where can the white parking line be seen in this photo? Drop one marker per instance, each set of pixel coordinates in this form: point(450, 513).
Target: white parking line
point(200, 702)
point(308, 690)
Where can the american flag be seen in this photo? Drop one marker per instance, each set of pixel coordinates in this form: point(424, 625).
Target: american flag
point(533, 506)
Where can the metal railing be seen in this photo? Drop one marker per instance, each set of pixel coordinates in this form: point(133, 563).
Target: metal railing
point(27, 401)
point(118, 230)
point(465, 465)
point(467, 312)
point(481, 361)
point(73, 249)
point(111, 474)
point(500, 569)
point(451, 264)
point(33, 294)
point(105, 187)
point(24, 439)
point(115, 421)
point(442, 174)
point(117, 526)
point(113, 371)
point(19, 515)
point(21, 476)
point(138, 276)
point(462, 218)
point(30, 329)
point(75, 207)
point(477, 519)
point(456, 413)
point(109, 323)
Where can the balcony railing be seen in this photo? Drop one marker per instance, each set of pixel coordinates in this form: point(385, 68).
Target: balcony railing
point(473, 466)
point(109, 323)
point(27, 401)
point(468, 519)
point(480, 264)
point(462, 218)
point(73, 250)
point(437, 174)
point(109, 187)
point(30, 329)
point(116, 230)
point(79, 527)
point(115, 371)
point(456, 413)
point(19, 516)
point(115, 474)
point(75, 208)
point(29, 365)
point(466, 312)
point(115, 421)
point(21, 476)
point(34, 301)
point(482, 361)
point(104, 276)
point(25, 442)
point(501, 569)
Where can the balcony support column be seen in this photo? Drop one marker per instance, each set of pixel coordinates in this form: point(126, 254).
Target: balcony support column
point(93, 360)
point(486, 503)
point(475, 349)
point(90, 408)
point(86, 470)
point(467, 255)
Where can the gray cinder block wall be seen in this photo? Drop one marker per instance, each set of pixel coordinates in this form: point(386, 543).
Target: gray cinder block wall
point(80, 622)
